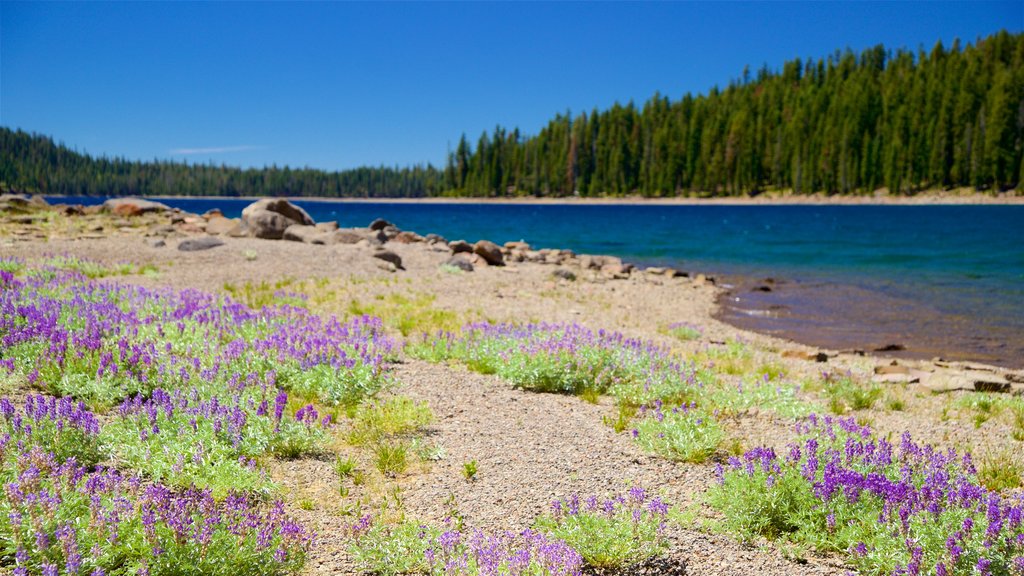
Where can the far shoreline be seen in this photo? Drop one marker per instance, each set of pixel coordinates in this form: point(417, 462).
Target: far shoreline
point(928, 198)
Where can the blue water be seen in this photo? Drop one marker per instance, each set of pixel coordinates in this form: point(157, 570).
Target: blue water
point(934, 274)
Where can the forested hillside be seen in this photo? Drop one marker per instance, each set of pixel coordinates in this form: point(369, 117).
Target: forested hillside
point(848, 123)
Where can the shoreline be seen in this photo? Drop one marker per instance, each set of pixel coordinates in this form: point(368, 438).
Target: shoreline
point(813, 333)
point(937, 198)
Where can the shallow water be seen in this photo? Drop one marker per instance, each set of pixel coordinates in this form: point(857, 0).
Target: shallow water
point(937, 280)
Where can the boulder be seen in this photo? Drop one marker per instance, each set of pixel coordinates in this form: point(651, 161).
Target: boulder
point(133, 206)
point(347, 236)
point(270, 217)
point(460, 261)
point(380, 224)
point(564, 274)
point(407, 238)
point(517, 246)
point(266, 224)
point(330, 226)
point(201, 243)
point(389, 232)
point(213, 213)
point(301, 233)
point(389, 256)
point(460, 246)
point(435, 239)
point(490, 252)
point(218, 225)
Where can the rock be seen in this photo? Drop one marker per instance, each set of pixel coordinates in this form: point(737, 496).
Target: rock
point(9, 201)
point(270, 217)
point(388, 266)
point(133, 206)
point(991, 383)
point(890, 348)
point(218, 225)
point(564, 274)
point(478, 261)
point(266, 224)
point(761, 288)
point(202, 243)
point(518, 246)
point(155, 242)
point(71, 209)
point(461, 262)
point(490, 252)
point(390, 232)
point(617, 271)
point(213, 213)
point(942, 381)
point(672, 273)
point(407, 238)
point(435, 239)
point(389, 256)
point(587, 262)
point(380, 224)
point(301, 233)
point(460, 246)
point(377, 237)
point(554, 257)
point(809, 356)
point(330, 226)
point(699, 280)
point(892, 369)
point(654, 270)
point(347, 236)
point(895, 379)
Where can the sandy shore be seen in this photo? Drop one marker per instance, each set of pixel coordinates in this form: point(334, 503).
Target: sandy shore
point(531, 447)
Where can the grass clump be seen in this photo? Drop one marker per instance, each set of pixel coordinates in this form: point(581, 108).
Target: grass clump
point(394, 416)
point(610, 534)
point(469, 470)
point(890, 508)
point(1001, 472)
point(844, 394)
point(391, 459)
point(682, 433)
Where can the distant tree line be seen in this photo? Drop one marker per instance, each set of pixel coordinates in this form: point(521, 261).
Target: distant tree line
point(846, 124)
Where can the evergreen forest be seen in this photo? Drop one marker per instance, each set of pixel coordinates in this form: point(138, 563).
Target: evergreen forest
point(847, 123)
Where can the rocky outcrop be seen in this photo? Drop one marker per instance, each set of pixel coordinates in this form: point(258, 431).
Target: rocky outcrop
point(270, 217)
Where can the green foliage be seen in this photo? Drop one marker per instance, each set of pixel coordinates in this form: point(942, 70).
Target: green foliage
point(844, 394)
point(391, 459)
point(1001, 472)
point(469, 470)
point(610, 534)
point(780, 398)
point(394, 416)
point(392, 550)
point(682, 433)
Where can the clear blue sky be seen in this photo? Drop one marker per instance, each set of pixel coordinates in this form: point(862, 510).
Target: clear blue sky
point(339, 85)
